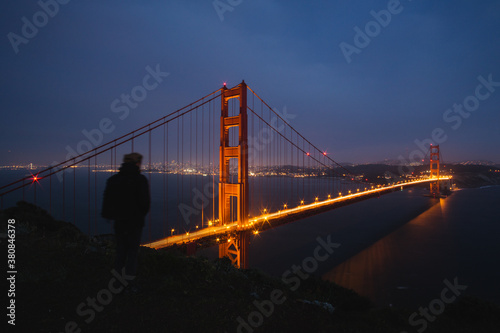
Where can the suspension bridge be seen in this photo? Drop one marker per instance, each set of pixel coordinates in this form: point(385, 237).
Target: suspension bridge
point(220, 169)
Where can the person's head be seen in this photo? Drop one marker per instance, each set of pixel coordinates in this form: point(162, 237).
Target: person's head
point(134, 158)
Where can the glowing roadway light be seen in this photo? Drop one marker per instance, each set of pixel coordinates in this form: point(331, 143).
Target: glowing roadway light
point(172, 232)
point(301, 202)
point(284, 206)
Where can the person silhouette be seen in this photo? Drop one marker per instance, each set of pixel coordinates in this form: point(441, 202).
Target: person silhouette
point(127, 201)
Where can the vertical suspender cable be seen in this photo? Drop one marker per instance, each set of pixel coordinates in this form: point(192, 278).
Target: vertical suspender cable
point(197, 168)
point(88, 195)
point(50, 195)
point(212, 115)
point(95, 195)
point(203, 158)
point(190, 175)
point(74, 193)
point(182, 160)
point(149, 175)
point(261, 158)
point(163, 169)
point(178, 171)
point(64, 194)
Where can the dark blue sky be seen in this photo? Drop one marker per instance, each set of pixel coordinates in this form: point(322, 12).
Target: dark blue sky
point(368, 106)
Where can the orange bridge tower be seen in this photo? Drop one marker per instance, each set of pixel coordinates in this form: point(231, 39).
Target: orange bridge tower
point(435, 170)
point(233, 197)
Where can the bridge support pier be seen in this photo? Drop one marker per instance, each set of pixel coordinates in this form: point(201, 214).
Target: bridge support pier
point(233, 197)
point(236, 249)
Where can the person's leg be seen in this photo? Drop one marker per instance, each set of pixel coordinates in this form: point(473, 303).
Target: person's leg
point(121, 249)
point(133, 244)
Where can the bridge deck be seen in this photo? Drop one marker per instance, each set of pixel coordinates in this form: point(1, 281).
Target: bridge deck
point(267, 221)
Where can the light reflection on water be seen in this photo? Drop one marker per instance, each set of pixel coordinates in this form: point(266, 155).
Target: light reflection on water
point(454, 238)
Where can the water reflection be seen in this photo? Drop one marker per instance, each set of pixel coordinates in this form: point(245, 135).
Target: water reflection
point(399, 267)
point(364, 271)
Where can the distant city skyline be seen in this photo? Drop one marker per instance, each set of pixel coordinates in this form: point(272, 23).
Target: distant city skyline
point(366, 81)
point(173, 164)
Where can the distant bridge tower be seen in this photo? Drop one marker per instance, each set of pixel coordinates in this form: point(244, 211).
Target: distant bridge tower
point(435, 170)
point(233, 197)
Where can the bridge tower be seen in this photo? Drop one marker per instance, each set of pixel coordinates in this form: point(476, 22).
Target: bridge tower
point(435, 170)
point(233, 197)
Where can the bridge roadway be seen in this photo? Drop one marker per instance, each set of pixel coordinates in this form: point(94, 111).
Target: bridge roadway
point(271, 220)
